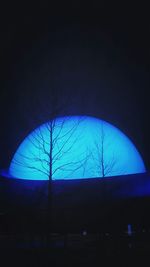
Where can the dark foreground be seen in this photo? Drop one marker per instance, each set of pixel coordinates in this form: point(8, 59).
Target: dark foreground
point(77, 250)
point(69, 258)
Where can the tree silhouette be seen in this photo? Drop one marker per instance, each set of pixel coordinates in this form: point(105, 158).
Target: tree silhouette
point(106, 166)
point(49, 148)
point(49, 144)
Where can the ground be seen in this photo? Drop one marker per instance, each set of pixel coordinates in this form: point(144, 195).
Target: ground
point(82, 251)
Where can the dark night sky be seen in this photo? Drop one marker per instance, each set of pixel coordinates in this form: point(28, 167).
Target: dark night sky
point(95, 56)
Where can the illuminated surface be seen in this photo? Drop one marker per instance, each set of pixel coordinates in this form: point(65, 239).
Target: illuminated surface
point(82, 147)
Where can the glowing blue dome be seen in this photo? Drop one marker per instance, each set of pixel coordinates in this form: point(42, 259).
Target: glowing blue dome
point(75, 147)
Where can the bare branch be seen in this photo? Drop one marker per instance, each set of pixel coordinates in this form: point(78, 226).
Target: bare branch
point(51, 147)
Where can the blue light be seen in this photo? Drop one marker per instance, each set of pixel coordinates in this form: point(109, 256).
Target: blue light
point(82, 147)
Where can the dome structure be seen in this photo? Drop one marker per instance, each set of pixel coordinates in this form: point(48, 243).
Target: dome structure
point(75, 147)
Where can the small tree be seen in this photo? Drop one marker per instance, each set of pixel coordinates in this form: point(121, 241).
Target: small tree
point(106, 166)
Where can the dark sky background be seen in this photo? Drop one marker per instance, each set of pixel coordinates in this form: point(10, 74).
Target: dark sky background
point(94, 57)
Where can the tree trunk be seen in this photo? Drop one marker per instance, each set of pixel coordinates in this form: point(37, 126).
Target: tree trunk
point(49, 192)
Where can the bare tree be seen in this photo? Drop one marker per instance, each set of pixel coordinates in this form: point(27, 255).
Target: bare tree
point(49, 150)
point(49, 146)
point(104, 164)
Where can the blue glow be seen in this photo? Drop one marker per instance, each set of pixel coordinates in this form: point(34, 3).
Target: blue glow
point(83, 147)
